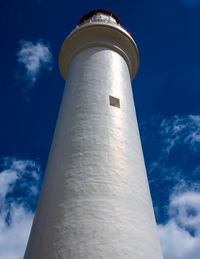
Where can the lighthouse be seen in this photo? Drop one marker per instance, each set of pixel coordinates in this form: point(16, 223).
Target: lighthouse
point(95, 201)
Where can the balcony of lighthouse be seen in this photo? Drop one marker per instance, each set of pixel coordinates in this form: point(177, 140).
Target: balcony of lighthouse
point(101, 16)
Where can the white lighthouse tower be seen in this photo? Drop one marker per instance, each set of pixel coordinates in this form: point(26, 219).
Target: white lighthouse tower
point(95, 201)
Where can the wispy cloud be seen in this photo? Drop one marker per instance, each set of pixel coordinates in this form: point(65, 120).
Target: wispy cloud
point(180, 236)
point(180, 130)
point(33, 57)
point(173, 167)
point(173, 143)
point(19, 184)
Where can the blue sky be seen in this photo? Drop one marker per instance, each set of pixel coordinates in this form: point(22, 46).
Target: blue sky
point(166, 92)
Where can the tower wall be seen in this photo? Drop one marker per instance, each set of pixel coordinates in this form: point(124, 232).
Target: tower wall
point(95, 200)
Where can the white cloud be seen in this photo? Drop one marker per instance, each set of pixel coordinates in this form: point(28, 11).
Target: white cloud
point(186, 209)
point(180, 236)
point(13, 237)
point(15, 216)
point(33, 57)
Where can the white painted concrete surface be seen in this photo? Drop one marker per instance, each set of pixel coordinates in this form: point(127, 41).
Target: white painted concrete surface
point(95, 201)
